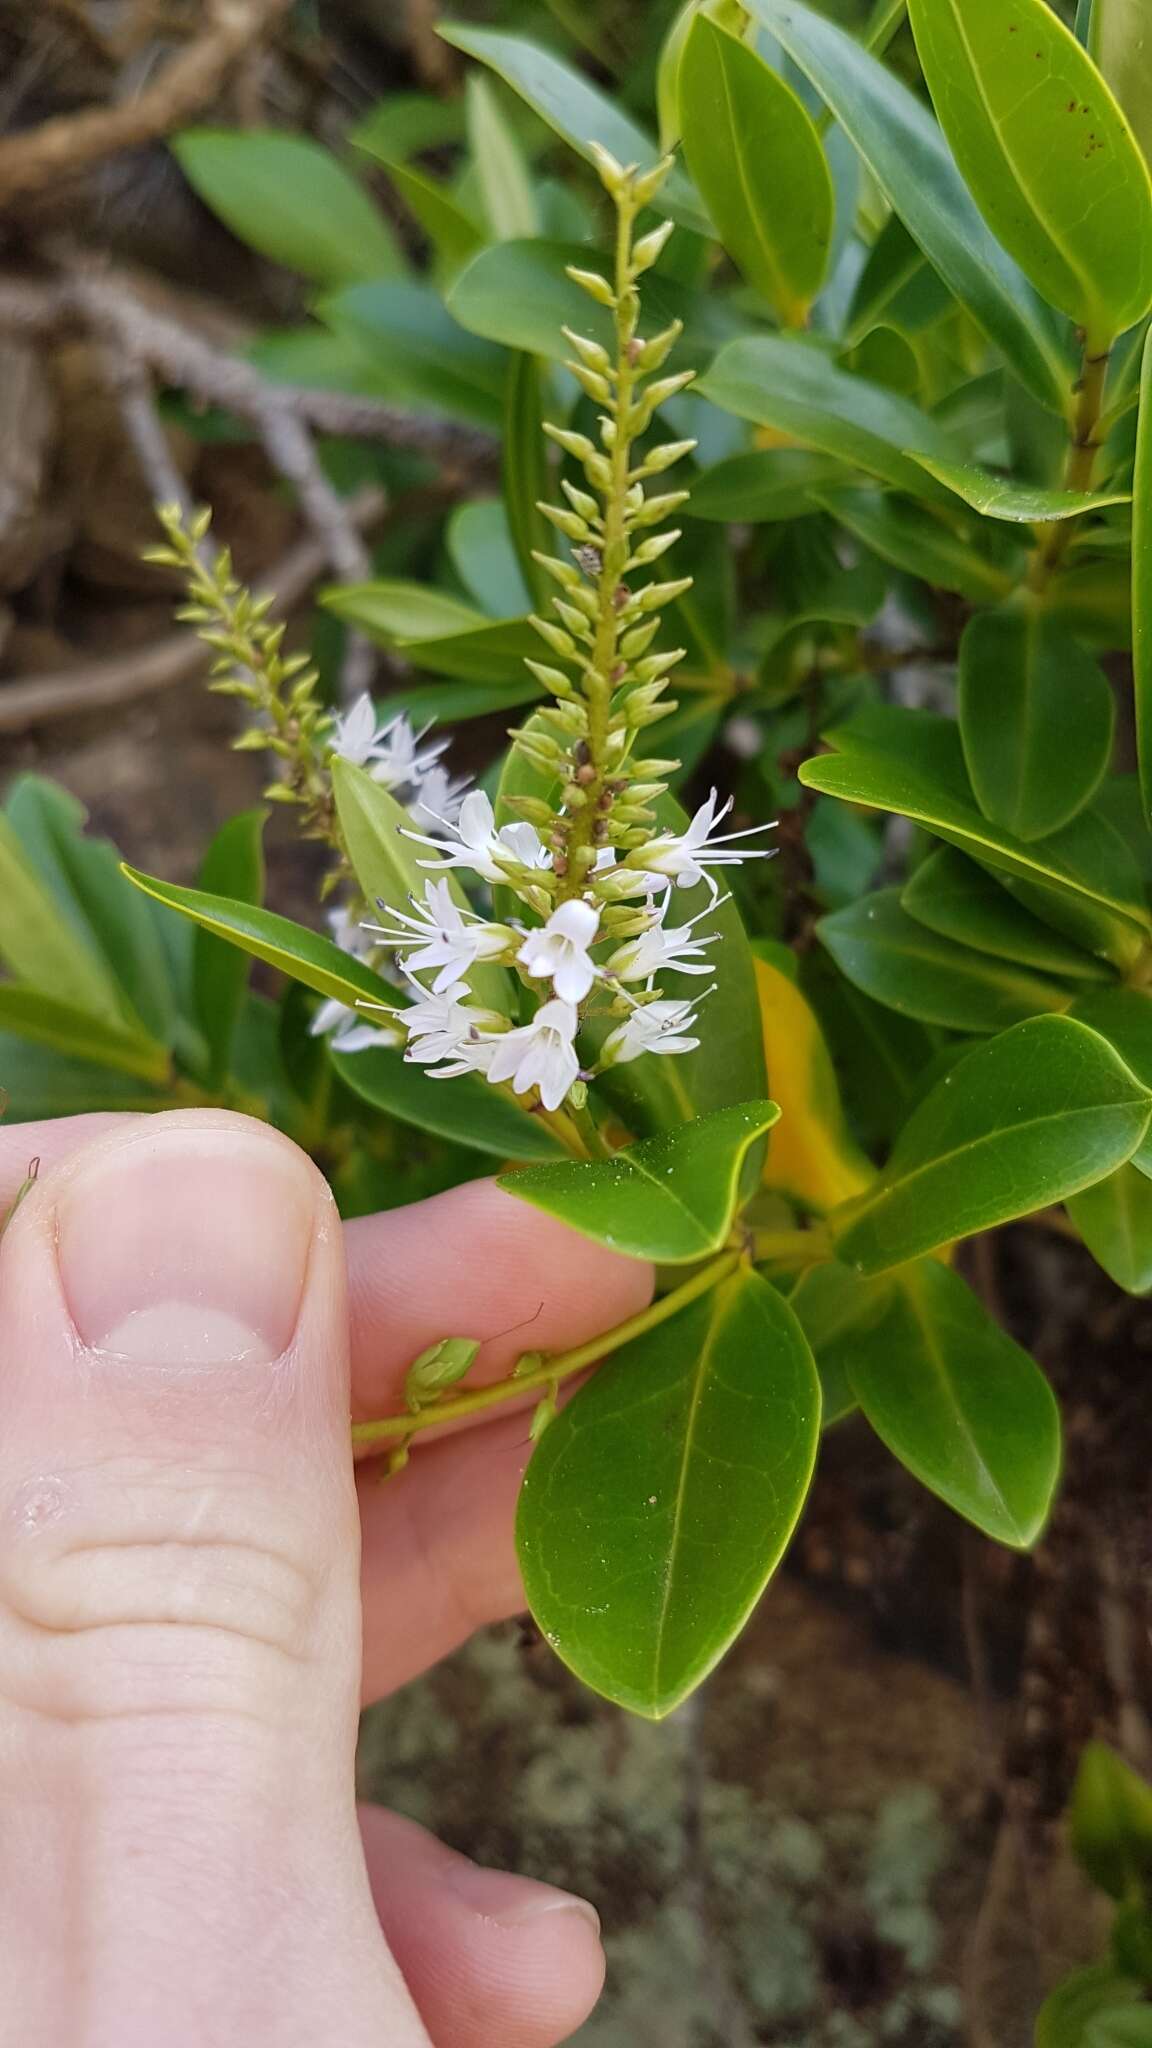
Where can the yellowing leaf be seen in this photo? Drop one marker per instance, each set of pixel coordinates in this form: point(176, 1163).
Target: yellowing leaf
point(811, 1156)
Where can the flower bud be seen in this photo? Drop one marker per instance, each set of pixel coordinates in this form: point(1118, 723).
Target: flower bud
point(590, 352)
point(590, 381)
point(613, 176)
point(644, 189)
point(560, 643)
point(553, 679)
point(564, 573)
point(574, 620)
point(653, 510)
point(591, 281)
point(639, 638)
point(650, 550)
point(565, 522)
point(582, 503)
point(652, 353)
point(646, 251)
point(577, 445)
point(657, 595)
point(664, 456)
point(658, 664)
point(599, 472)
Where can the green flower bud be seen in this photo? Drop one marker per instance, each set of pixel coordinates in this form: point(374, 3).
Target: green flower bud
point(650, 550)
point(590, 352)
point(560, 643)
point(656, 595)
point(553, 679)
point(582, 503)
point(657, 350)
point(664, 456)
point(646, 251)
point(577, 445)
point(565, 522)
point(653, 510)
point(591, 281)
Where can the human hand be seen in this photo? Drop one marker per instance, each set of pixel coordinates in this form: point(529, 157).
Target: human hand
point(181, 1658)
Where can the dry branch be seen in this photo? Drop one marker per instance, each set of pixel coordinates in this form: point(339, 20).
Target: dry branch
point(70, 142)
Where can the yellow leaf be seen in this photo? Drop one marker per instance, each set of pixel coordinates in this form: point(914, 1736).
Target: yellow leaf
point(812, 1157)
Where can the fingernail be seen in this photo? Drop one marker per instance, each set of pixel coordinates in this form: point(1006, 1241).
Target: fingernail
point(188, 1243)
point(514, 1901)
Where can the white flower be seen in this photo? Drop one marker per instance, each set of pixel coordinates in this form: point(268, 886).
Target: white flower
point(657, 1027)
point(349, 1030)
point(354, 735)
point(397, 758)
point(443, 936)
point(437, 1024)
point(479, 846)
point(540, 1054)
point(663, 947)
point(559, 950)
point(437, 797)
point(685, 857)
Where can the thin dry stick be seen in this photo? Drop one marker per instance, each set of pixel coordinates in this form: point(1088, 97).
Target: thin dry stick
point(99, 686)
point(70, 142)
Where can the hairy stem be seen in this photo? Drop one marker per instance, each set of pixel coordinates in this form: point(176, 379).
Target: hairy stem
point(554, 1369)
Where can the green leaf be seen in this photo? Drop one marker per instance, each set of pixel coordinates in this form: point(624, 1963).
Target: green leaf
point(960, 1404)
point(292, 948)
point(910, 161)
point(449, 703)
point(660, 1500)
point(1115, 1220)
point(1124, 1017)
point(479, 544)
point(234, 867)
point(437, 632)
point(912, 762)
point(1142, 581)
point(1022, 1121)
point(1069, 2014)
point(954, 897)
point(574, 109)
point(916, 541)
point(111, 917)
point(1036, 720)
point(748, 139)
point(518, 293)
point(1112, 1823)
point(999, 497)
point(387, 862)
point(466, 1109)
point(39, 1082)
point(793, 387)
point(525, 473)
point(1121, 48)
point(902, 963)
point(838, 1311)
point(765, 484)
point(670, 1199)
point(897, 285)
point(418, 353)
point(291, 200)
point(1127, 2026)
point(454, 235)
point(1046, 153)
point(33, 1014)
point(502, 175)
point(41, 945)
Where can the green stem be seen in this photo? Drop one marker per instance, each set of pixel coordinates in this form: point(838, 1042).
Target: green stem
point(559, 1367)
point(1055, 536)
point(790, 1247)
point(589, 1131)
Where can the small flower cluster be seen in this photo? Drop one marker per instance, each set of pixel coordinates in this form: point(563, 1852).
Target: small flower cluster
point(592, 869)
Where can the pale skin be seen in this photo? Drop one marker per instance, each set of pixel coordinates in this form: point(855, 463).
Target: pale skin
point(197, 1594)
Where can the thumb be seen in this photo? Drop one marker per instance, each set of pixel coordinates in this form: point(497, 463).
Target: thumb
point(179, 1618)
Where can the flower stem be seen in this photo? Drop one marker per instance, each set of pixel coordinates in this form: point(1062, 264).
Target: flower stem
point(796, 1248)
point(561, 1366)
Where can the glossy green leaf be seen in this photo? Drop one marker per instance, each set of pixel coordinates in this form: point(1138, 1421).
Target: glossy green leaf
point(1120, 45)
point(111, 917)
point(793, 387)
point(290, 199)
point(954, 897)
point(999, 497)
point(1124, 1017)
point(41, 945)
point(436, 632)
point(574, 108)
point(453, 233)
point(479, 543)
point(1115, 1220)
point(449, 703)
point(1036, 720)
point(416, 352)
point(902, 963)
point(915, 540)
point(1142, 581)
point(670, 1199)
point(33, 1014)
point(1110, 1822)
point(234, 867)
point(465, 1109)
point(292, 948)
point(525, 471)
point(1046, 153)
point(1070, 2013)
point(518, 294)
point(912, 762)
point(1024, 1120)
point(660, 1500)
point(960, 1404)
point(765, 484)
point(748, 138)
point(910, 161)
point(839, 1312)
point(897, 285)
point(387, 862)
point(502, 175)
